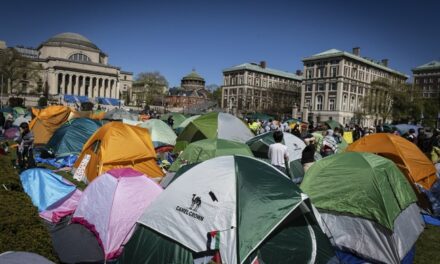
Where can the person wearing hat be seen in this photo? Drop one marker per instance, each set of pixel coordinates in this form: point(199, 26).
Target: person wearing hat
point(25, 140)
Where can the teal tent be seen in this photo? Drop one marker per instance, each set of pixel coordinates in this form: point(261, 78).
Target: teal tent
point(70, 138)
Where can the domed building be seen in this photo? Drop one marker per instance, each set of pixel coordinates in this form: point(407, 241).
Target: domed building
point(190, 94)
point(74, 68)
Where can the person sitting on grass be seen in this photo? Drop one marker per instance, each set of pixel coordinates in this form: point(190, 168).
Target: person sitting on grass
point(278, 154)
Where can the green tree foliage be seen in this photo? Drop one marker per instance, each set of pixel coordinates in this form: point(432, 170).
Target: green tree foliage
point(396, 101)
point(150, 87)
point(17, 70)
point(42, 102)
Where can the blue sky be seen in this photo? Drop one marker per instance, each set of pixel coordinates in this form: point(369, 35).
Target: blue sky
point(173, 37)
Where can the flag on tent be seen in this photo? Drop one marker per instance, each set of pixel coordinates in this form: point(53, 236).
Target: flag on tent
point(213, 240)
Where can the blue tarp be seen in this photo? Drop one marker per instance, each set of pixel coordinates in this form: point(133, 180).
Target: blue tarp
point(108, 101)
point(45, 187)
point(348, 258)
point(68, 98)
point(431, 220)
point(61, 162)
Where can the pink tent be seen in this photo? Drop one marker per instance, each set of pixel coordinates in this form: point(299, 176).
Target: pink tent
point(111, 205)
point(67, 207)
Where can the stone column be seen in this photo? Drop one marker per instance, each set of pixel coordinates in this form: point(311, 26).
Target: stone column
point(51, 82)
point(69, 86)
point(62, 83)
point(325, 103)
point(83, 86)
point(90, 94)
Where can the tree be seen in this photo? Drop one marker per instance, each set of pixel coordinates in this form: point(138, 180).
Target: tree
point(17, 70)
point(396, 101)
point(151, 87)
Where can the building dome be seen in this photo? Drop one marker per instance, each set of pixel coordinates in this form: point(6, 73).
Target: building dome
point(69, 39)
point(193, 76)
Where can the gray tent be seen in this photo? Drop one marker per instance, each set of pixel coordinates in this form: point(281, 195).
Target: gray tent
point(20, 257)
point(119, 114)
point(76, 244)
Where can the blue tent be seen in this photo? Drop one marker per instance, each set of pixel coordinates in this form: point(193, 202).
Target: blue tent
point(45, 187)
point(70, 138)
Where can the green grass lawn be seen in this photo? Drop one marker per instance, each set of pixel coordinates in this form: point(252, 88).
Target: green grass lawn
point(22, 230)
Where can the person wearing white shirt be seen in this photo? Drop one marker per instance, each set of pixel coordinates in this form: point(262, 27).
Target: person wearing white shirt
point(278, 154)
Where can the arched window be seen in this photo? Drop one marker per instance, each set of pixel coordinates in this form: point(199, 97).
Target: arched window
point(319, 102)
point(79, 57)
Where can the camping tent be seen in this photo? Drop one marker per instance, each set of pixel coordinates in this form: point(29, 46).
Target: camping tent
point(214, 125)
point(117, 145)
point(20, 257)
point(119, 114)
point(332, 124)
point(70, 137)
point(214, 209)
point(411, 161)
point(367, 205)
point(178, 118)
point(207, 149)
point(161, 134)
point(260, 145)
point(45, 188)
point(21, 119)
point(185, 122)
point(63, 208)
point(295, 146)
point(111, 205)
point(47, 121)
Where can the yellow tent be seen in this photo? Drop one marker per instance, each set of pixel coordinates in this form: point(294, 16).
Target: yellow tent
point(47, 121)
point(411, 161)
point(117, 145)
point(348, 136)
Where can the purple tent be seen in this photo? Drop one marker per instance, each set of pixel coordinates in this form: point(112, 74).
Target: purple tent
point(111, 205)
point(67, 207)
point(11, 133)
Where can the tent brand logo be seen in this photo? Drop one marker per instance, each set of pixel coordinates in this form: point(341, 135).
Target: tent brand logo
point(196, 202)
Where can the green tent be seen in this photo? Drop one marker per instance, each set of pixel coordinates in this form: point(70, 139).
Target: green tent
point(177, 117)
point(236, 208)
point(161, 134)
point(185, 122)
point(70, 137)
point(19, 111)
point(214, 125)
point(207, 149)
point(368, 206)
point(333, 124)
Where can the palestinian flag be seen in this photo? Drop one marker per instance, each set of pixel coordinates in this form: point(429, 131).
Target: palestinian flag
point(213, 240)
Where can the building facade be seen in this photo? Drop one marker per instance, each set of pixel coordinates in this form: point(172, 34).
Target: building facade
point(191, 92)
point(251, 87)
point(427, 78)
point(73, 65)
point(336, 82)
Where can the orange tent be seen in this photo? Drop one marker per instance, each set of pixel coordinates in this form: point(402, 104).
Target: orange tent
point(406, 155)
point(117, 145)
point(47, 121)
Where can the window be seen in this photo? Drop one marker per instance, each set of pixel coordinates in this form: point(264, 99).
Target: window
point(309, 88)
point(307, 104)
point(309, 73)
point(333, 86)
point(319, 102)
point(334, 71)
point(344, 103)
point(331, 104)
point(79, 57)
point(321, 87)
point(352, 104)
point(345, 86)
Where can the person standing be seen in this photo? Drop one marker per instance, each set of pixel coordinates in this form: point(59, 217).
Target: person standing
point(25, 140)
point(308, 154)
point(278, 154)
point(329, 144)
